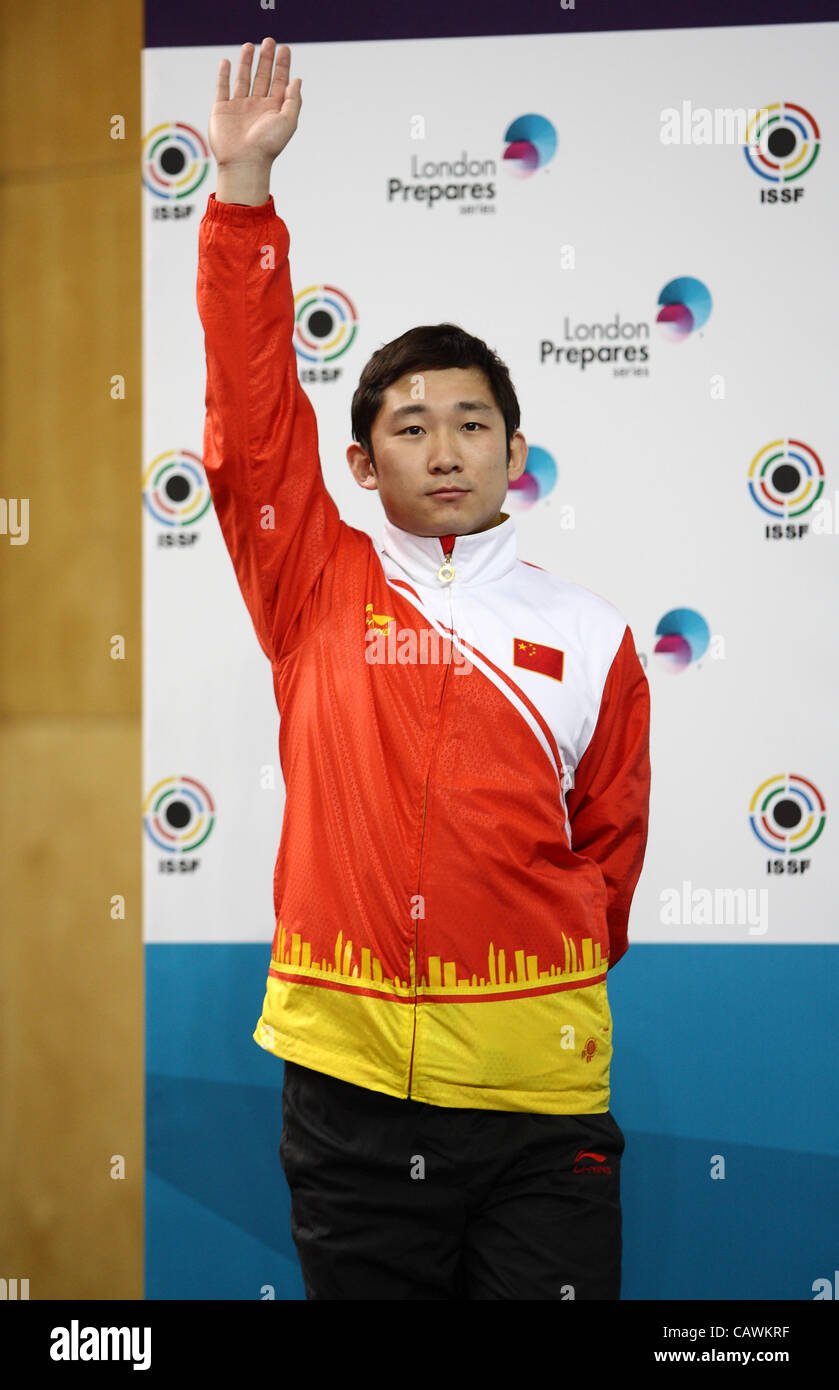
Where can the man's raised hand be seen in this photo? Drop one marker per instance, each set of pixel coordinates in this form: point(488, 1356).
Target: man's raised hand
point(250, 129)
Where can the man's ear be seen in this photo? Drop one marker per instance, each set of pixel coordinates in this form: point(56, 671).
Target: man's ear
point(362, 468)
point(518, 456)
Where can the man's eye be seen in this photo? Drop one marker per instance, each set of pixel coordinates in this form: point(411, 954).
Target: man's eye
point(476, 423)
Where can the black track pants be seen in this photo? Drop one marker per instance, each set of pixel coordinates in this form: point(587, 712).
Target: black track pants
point(398, 1199)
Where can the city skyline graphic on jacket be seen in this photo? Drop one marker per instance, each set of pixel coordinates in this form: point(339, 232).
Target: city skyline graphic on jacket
point(294, 953)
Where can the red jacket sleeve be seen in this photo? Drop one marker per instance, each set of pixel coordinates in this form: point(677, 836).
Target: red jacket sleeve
point(261, 455)
point(608, 805)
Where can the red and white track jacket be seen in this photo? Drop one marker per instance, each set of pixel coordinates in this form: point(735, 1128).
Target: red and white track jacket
point(465, 756)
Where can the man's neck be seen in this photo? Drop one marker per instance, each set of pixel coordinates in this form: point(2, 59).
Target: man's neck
point(448, 541)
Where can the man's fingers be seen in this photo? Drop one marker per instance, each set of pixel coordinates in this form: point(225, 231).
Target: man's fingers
point(223, 80)
point(243, 76)
point(294, 99)
point(281, 71)
point(262, 80)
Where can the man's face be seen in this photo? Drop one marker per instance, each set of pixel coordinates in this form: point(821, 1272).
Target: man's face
point(441, 453)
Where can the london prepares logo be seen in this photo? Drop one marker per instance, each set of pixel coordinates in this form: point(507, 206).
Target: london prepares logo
point(683, 638)
point(786, 479)
point(782, 145)
point(684, 309)
point(468, 181)
point(175, 162)
point(536, 483)
point(787, 815)
point(178, 816)
point(176, 496)
point(530, 143)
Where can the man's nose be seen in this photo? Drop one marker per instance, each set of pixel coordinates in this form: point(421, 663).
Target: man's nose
point(444, 455)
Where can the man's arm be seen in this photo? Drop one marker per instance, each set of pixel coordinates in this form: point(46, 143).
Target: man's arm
point(260, 434)
point(608, 806)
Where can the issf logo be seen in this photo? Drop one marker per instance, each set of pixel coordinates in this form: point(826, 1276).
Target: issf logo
point(175, 161)
point(325, 325)
point(176, 495)
point(782, 145)
point(786, 479)
point(178, 816)
point(787, 814)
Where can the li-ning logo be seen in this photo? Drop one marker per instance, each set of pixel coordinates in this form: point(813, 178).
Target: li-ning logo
point(589, 1049)
point(377, 620)
point(598, 1165)
point(388, 645)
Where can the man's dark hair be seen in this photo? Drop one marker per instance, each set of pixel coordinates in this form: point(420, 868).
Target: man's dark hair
point(430, 346)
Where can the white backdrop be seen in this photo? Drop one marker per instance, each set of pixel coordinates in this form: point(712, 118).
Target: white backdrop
point(654, 467)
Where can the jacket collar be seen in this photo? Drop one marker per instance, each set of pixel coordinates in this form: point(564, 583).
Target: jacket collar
point(477, 559)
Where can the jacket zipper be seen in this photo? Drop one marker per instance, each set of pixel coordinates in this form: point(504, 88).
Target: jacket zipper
point(422, 842)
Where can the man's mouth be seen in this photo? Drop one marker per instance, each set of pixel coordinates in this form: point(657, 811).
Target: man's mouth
point(449, 492)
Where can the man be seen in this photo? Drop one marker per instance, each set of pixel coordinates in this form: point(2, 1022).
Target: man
point(464, 743)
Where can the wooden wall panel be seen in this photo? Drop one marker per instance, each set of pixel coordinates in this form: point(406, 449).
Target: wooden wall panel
point(71, 978)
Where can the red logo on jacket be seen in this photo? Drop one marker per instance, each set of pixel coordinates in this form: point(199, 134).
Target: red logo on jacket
point(598, 1166)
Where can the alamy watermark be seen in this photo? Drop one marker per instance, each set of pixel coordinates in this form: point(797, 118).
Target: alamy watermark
point(715, 907)
point(14, 519)
point(404, 646)
point(703, 125)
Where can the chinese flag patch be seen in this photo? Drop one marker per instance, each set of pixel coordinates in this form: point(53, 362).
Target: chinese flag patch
point(534, 657)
